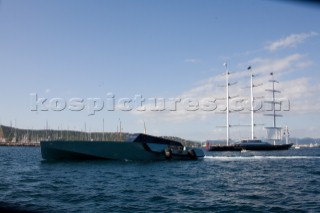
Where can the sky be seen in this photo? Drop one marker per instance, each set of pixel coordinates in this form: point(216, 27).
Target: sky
point(87, 65)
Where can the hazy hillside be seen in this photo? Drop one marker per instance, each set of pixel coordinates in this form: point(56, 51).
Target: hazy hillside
point(12, 135)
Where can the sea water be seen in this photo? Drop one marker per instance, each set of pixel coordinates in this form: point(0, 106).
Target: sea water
point(276, 181)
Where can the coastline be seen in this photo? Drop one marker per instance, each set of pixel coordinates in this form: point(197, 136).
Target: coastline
point(33, 144)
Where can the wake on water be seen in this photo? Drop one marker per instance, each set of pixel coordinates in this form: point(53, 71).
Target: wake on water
point(256, 157)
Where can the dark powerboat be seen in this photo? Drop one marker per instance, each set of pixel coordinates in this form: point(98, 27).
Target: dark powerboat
point(135, 147)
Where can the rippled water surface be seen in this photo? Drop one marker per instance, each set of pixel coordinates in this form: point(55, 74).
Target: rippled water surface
point(278, 181)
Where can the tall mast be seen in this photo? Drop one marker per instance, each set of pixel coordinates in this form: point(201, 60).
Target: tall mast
point(251, 102)
point(273, 101)
point(228, 84)
point(274, 104)
point(275, 129)
point(227, 100)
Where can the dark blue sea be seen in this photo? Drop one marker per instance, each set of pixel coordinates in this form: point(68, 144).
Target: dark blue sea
point(277, 181)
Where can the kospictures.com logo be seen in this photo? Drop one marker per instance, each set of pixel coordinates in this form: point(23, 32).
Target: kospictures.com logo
point(139, 103)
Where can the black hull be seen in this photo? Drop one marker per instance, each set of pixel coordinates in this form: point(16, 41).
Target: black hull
point(268, 148)
point(230, 148)
point(240, 147)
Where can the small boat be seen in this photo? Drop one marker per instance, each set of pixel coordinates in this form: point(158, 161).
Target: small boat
point(135, 147)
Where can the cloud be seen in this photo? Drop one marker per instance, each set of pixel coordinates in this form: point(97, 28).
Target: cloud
point(281, 65)
point(300, 91)
point(294, 89)
point(303, 95)
point(290, 41)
